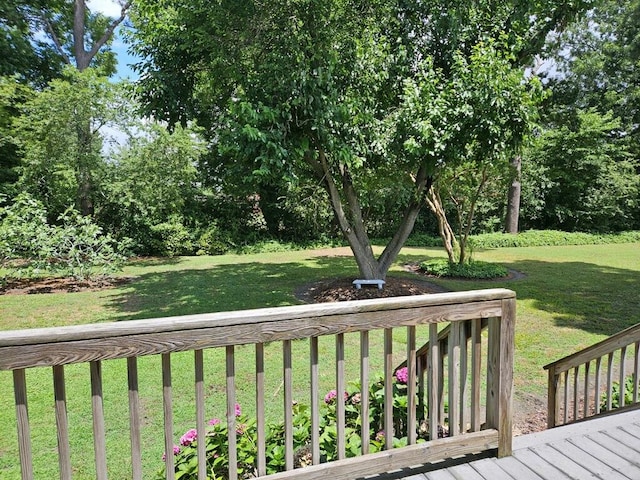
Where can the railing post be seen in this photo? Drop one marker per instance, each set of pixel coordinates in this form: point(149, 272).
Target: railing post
point(500, 376)
point(552, 398)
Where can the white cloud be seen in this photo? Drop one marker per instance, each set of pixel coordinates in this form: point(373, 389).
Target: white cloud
point(107, 7)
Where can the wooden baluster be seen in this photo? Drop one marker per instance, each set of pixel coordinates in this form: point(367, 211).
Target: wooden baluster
point(454, 379)
point(411, 385)
point(340, 389)
point(99, 441)
point(586, 389)
point(364, 391)
point(623, 359)
point(231, 412)
point(288, 404)
point(576, 404)
point(134, 418)
point(315, 402)
point(566, 397)
point(609, 380)
point(388, 389)
point(464, 374)
point(596, 386)
point(167, 405)
point(200, 422)
point(260, 420)
point(476, 369)
point(636, 372)
point(64, 453)
point(22, 419)
point(433, 385)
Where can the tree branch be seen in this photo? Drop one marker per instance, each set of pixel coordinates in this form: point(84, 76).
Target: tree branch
point(54, 37)
point(110, 29)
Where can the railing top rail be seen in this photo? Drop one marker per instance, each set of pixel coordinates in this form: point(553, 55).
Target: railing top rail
point(85, 343)
point(606, 346)
point(242, 317)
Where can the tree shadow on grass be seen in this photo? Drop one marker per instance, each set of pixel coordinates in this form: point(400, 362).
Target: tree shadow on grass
point(222, 288)
point(598, 299)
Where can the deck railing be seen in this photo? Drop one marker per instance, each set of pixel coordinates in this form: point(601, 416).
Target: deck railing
point(593, 381)
point(476, 383)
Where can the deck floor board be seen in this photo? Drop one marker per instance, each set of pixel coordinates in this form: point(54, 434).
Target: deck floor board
point(605, 448)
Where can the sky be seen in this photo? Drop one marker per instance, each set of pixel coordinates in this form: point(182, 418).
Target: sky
point(112, 9)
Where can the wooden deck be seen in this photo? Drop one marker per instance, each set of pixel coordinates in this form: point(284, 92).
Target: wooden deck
point(606, 448)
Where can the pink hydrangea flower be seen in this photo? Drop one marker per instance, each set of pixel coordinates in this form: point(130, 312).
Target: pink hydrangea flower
point(329, 397)
point(238, 410)
point(176, 451)
point(402, 375)
point(189, 437)
point(214, 421)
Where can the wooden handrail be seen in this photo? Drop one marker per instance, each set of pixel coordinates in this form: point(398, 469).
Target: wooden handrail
point(579, 364)
point(95, 344)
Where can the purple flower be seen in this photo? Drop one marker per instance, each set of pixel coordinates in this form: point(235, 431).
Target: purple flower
point(380, 436)
point(189, 437)
point(214, 421)
point(402, 375)
point(329, 397)
point(241, 428)
point(176, 451)
point(238, 410)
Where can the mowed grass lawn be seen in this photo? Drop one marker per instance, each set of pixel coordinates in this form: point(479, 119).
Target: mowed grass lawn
point(569, 298)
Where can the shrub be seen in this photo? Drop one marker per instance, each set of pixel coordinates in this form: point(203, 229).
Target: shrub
point(615, 394)
point(77, 247)
point(217, 446)
point(214, 241)
point(171, 238)
point(472, 269)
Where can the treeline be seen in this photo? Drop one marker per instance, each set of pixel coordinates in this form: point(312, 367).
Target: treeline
point(71, 138)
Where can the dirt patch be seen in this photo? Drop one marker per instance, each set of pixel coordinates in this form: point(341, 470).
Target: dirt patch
point(59, 285)
point(342, 289)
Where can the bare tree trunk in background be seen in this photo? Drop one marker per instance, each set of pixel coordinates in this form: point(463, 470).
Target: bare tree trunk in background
point(444, 227)
point(513, 199)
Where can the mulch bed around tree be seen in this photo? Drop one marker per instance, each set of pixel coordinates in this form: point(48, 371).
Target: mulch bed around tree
point(32, 286)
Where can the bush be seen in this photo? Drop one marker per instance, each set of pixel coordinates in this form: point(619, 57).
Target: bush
point(214, 241)
point(472, 269)
point(172, 238)
point(542, 238)
point(615, 394)
point(77, 247)
point(216, 435)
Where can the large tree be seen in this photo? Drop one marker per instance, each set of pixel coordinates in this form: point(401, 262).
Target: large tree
point(315, 87)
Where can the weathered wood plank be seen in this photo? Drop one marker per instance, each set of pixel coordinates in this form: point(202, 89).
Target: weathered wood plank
point(439, 475)
point(167, 409)
point(287, 375)
point(138, 344)
point(62, 424)
point(388, 389)
point(490, 470)
point(611, 459)
point(389, 460)
point(340, 389)
point(589, 459)
point(22, 420)
point(97, 409)
point(466, 472)
point(364, 398)
point(260, 418)
point(476, 369)
point(299, 313)
point(454, 380)
point(568, 466)
point(134, 418)
point(516, 469)
point(433, 385)
point(411, 385)
point(198, 360)
point(540, 465)
point(315, 403)
point(230, 371)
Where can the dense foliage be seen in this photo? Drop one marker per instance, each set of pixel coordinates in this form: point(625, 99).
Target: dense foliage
point(340, 128)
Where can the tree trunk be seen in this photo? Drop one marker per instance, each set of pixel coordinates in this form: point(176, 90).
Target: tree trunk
point(351, 221)
point(513, 199)
point(444, 227)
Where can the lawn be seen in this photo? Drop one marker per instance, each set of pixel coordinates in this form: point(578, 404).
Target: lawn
point(568, 298)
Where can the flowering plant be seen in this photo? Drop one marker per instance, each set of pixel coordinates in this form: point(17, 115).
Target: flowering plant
point(217, 443)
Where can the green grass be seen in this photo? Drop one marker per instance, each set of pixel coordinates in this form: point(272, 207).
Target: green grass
point(569, 298)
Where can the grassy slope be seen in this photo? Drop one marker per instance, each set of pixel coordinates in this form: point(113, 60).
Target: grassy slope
point(570, 297)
